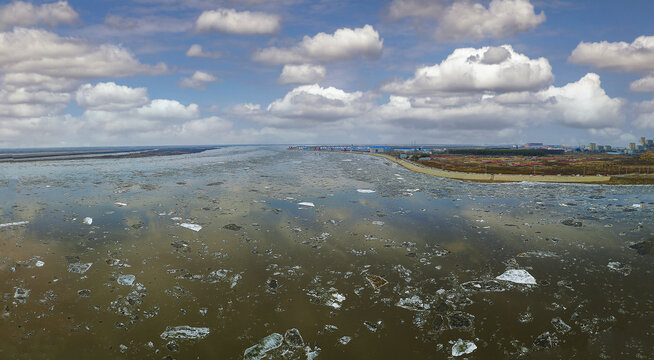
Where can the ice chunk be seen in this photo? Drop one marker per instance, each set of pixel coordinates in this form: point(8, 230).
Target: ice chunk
point(335, 300)
point(376, 281)
point(87, 220)
point(365, 191)
point(293, 338)
point(185, 332)
point(79, 268)
point(194, 227)
point(377, 222)
point(121, 204)
point(306, 203)
point(413, 303)
point(39, 263)
point(517, 276)
point(21, 293)
point(560, 326)
point(258, 351)
point(620, 268)
point(126, 280)
point(344, 340)
point(463, 347)
point(18, 223)
point(175, 218)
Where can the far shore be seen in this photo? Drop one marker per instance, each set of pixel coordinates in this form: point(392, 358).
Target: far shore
point(628, 179)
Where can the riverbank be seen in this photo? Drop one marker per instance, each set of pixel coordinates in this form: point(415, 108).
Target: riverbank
point(495, 177)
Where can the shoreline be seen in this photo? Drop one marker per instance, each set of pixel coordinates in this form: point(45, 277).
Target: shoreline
point(496, 178)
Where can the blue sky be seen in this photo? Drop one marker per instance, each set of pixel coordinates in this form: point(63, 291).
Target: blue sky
point(147, 72)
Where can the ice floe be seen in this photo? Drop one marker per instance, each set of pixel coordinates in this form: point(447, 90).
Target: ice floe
point(185, 332)
point(121, 204)
point(306, 203)
point(17, 223)
point(126, 280)
point(194, 227)
point(365, 191)
point(517, 276)
point(79, 268)
point(87, 220)
point(258, 351)
point(463, 347)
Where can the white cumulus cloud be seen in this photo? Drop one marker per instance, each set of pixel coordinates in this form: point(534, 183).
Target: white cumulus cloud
point(230, 21)
point(343, 44)
point(302, 74)
point(196, 50)
point(637, 56)
point(198, 80)
point(467, 19)
point(110, 96)
point(498, 69)
point(20, 13)
point(645, 84)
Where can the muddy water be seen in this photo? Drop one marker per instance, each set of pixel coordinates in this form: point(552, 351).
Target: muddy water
point(262, 264)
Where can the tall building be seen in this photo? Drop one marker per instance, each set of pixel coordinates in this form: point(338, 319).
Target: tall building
point(642, 140)
point(593, 146)
point(632, 146)
point(650, 142)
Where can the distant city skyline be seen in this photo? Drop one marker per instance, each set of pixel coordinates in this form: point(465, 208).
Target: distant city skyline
point(154, 72)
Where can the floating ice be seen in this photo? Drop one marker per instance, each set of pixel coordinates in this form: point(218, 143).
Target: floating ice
point(194, 227)
point(87, 220)
point(293, 338)
point(637, 206)
point(306, 203)
point(413, 303)
point(377, 222)
point(126, 280)
point(79, 268)
point(376, 281)
point(18, 223)
point(258, 351)
point(344, 340)
point(365, 191)
point(176, 218)
point(619, 267)
point(462, 347)
point(335, 300)
point(517, 276)
point(21, 293)
point(121, 204)
point(39, 263)
point(185, 332)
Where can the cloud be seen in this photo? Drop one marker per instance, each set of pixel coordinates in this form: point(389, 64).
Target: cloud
point(466, 19)
point(196, 51)
point(617, 56)
point(645, 119)
point(19, 13)
point(302, 74)
point(313, 103)
point(582, 104)
point(198, 80)
point(230, 21)
point(343, 44)
point(110, 97)
point(645, 84)
point(45, 53)
point(498, 69)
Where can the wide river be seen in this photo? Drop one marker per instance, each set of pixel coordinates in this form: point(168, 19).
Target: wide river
point(267, 253)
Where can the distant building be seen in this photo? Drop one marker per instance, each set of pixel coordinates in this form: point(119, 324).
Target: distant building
point(593, 146)
point(642, 141)
point(607, 148)
point(632, 146)
point(534, 145)
point(650, 143)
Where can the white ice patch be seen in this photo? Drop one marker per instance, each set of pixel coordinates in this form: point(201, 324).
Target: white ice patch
point(194, 227)
point(185, 332)
point(39, 263)
point(87, 220)
point(18, 223)
point(306, 203)
point(463, 347)
point(126, 280)
point(365, 191)
point(335, 300)
point(377, 222)
point(258, 351)
point(79, 268)
point(120, 204)
point(517, 276)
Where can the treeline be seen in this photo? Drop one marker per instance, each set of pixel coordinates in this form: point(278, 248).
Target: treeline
point(504, 152)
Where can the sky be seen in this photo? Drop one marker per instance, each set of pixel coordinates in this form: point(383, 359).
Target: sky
point(166, 72)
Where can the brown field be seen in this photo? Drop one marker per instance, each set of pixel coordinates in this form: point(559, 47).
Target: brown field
point(572, 164)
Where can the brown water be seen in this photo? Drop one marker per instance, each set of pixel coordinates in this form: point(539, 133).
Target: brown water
point(285, 266)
